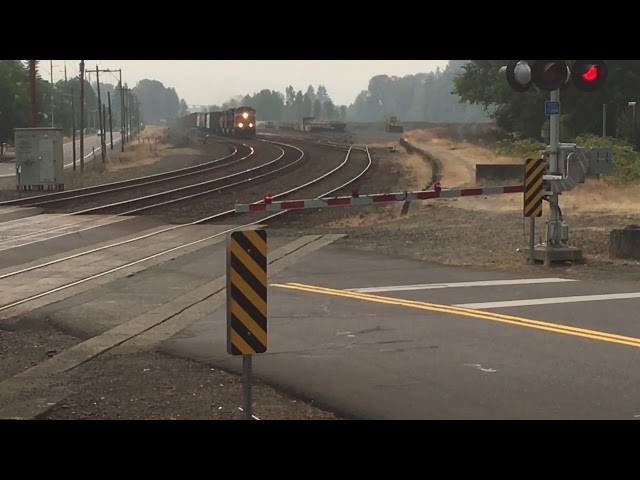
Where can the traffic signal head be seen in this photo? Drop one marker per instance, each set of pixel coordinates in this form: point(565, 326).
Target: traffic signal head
point(549, 75)
point(518, 74)
point(589, 75)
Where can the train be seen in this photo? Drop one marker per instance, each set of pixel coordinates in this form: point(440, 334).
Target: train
point(233, 122)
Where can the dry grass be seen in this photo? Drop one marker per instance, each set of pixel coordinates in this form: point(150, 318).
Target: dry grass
point(149, 147)
point(416, 175)
point(459, 158)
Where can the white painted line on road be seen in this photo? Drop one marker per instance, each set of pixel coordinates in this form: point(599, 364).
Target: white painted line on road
point(479, 367)
point(70, 164)
point(549, 301)
point(67, 165)
point(486, 283)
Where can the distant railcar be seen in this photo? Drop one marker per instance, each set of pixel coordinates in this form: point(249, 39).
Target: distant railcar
point(236, 122)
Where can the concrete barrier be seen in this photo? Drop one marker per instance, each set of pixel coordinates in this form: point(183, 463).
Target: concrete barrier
point(625, 242)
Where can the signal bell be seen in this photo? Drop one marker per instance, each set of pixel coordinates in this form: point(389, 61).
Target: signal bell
point(589, 75)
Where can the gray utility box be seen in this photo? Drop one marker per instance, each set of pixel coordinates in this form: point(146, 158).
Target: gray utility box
point(39, 158)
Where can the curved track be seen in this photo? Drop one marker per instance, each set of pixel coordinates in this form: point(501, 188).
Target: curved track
point(52, 198)
point(166, 197)
point(261, 219)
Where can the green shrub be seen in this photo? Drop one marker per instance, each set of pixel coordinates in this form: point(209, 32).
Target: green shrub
point(519, 148)
point(626, 162)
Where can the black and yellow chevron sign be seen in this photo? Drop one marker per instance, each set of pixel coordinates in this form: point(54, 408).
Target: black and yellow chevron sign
point(533, 187)
point(247, 292)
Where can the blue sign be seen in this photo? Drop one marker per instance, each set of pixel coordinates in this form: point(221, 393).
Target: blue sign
point(551, 108)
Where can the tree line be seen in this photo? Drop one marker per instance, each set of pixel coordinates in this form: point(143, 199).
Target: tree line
point(290, 106)
point(421, 97)
point(464, 91)
point(58, 103)
point(522, 114)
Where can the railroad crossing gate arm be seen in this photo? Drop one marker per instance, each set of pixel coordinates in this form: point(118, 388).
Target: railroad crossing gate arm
point(355, 199)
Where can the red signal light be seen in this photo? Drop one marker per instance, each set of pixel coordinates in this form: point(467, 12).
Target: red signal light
point(437, 186)
point(589, 75)
point(549, 75)
point(267, 199)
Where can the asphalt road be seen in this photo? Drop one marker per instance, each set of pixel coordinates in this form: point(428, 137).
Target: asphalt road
point(375, 337)
point(388, 338)
point(8, 169)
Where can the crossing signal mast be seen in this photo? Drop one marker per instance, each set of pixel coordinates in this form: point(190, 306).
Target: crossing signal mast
point(567, 164)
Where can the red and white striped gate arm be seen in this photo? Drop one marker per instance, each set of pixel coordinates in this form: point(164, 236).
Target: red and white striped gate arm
point(375, 198)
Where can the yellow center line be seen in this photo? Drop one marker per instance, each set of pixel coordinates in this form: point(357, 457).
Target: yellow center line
point(468, 312)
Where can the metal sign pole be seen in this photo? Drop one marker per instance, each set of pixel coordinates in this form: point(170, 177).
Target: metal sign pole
point(246, 386)
point(554, 143)
point(532, 239)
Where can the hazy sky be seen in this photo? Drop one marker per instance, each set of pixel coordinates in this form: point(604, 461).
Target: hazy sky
point(208, 82)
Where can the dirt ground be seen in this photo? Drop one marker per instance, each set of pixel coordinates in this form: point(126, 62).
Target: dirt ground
point(154, 386)
point(480, 231)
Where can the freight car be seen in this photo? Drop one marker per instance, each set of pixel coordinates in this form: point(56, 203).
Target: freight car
point(310, 124)
point(236, 122)
point(188, 121)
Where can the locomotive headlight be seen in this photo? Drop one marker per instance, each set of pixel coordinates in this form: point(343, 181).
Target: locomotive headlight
point(251, 125)
point(240, 125)
point(245, 115)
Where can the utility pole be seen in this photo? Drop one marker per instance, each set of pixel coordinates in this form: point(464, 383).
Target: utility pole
point(103, 140)
point(100, 113)
point(131, 97)
point(73, 128)
point(121, 113)
point(82, 115)
point(65, 72)
point(137, 116)
point(51, 67)
point(126, 114)
point(132, 115)
point(110, 120)
point(32, 77)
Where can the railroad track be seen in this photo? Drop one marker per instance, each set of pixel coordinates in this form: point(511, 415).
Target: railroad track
point(145, 188)
point(86, 192)
point(163, 198)
point(260, 219)
point(16, 395)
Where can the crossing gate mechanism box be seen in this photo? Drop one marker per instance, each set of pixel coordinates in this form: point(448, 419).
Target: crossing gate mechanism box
point(39, 158)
